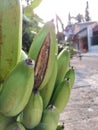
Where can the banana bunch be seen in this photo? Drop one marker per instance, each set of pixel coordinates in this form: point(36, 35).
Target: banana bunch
point(35, 87)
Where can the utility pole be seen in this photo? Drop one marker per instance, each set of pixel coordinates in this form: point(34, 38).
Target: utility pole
point(69, 18)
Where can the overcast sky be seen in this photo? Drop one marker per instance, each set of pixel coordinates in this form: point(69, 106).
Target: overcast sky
point(48, 8)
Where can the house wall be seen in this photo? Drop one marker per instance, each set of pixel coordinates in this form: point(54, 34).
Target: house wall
point(83, 33)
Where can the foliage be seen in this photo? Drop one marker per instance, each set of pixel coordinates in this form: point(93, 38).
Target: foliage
point(30, 23)
point(87, 17)
point(63, 44)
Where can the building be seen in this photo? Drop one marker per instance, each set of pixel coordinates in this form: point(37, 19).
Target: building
point(84, 36)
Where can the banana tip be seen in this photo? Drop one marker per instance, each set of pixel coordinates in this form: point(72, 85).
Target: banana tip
point(29, 62)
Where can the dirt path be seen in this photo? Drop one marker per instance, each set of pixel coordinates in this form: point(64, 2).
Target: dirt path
point(81, 112)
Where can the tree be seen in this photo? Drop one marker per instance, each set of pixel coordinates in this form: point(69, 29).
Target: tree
point(30, 23)
point(87, 17)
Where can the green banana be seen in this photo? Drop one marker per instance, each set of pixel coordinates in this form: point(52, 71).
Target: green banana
point(61, 95)
point(17, 88)
point(60, 127)
point(15, 126)
point(43, 51)
point(23, 55)
point(32, 113)
point(10, 35)
point(63, 60)
point(47, 91)
point(71, 76)
point(4, 121)
point(49, 119)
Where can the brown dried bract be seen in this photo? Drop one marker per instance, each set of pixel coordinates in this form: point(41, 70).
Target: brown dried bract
point(42, 61)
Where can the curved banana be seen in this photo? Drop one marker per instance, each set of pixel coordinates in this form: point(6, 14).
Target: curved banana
point(15, 126)
point(61, 95)
point(47, 91)
point(10, 35)
point(32, 113)
point(43, 51)
point(71, 76)
point(63, 61)
point(4, 121)
point(49, 119)
point(17, 88)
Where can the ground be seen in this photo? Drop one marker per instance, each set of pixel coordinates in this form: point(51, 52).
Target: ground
point(81, 112)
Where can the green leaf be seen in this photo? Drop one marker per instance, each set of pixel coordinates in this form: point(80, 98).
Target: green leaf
point(35, 3)
point(28, 10)
point(38, 19)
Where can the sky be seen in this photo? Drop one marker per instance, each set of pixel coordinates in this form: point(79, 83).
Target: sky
point(48, 8)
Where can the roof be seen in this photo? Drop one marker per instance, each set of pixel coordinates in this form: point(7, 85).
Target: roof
point(80, 29)
point(82, 26)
